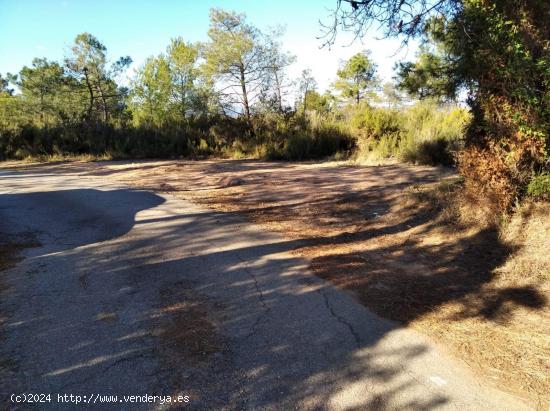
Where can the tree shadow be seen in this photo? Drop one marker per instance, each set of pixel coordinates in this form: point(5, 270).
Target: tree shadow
point(102, 321)
point(408, 280)
point(83, 216)
point(106, 293)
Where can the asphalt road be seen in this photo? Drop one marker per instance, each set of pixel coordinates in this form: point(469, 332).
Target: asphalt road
point(135, 293)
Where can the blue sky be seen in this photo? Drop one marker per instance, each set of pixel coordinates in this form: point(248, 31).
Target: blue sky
point(138, 28)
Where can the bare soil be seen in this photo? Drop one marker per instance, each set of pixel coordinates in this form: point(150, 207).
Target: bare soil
point(395, 237)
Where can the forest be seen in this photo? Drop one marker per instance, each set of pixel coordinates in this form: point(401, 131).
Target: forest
point(232, 96)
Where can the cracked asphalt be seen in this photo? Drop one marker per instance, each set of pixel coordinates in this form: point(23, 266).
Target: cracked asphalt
point(85, 312)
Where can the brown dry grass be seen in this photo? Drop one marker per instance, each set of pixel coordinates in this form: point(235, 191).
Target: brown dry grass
point(404, 242)
point(188, 328)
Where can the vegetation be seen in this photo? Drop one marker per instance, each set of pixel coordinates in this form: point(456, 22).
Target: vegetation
point(539, 186)
point(232, 96)
point(228, 97)
point(356, 77)
point(424, 133)
point(496, 51)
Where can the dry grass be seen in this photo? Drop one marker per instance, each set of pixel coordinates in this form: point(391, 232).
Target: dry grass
point(58, 158)
point(188, 328)
point(391, 237)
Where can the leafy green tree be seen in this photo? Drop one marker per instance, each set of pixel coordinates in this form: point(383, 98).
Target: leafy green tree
point(356, 77)
point(170, 87)
point(182, 58)
point(41, 86)
point(496, 50)
point(235, 60)
point(321, 103)
point(5, 84)
point(429, 76)
point(306, 85)
point(152, 92)
point(11, 109)
point(88, 64)
point(391, 95)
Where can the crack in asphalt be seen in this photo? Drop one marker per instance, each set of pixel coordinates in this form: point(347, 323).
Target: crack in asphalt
point(107, 368)
point(261, 298)
point(341, 319)
point(255, 279)
point(147, 353)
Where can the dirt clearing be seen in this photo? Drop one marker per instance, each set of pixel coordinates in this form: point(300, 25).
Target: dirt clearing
point(388, 236)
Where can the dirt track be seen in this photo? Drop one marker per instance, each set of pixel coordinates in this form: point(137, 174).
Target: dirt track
point(378, 233)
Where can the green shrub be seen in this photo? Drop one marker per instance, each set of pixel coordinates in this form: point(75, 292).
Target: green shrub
point(539, 186)
point(384, 147)
point(203, 147)
point(297, 147)
point(429, 152)
point(423, 134)
point(376, 122)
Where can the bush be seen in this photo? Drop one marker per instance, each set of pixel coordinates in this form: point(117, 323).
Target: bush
point(297, 147)
point(539, 186)
point(487, 177)
point(297, 137)
point(424, 133)
point(375, 123)
point(385, 147)
point(431, 152)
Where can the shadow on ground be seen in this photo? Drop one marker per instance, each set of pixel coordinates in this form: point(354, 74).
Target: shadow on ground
point(407, 280)
point(116, 282)
point(158, 303)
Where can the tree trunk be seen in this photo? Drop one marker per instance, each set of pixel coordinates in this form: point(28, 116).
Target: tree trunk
point(104, 101)
point(279, 94)
point(305, 99)
point(245, 100)
point(42, 107)
point(91, 91)
point(182, 98)
point(151, 111)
